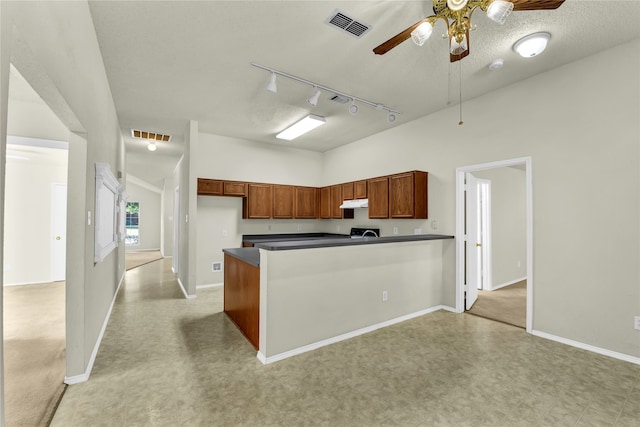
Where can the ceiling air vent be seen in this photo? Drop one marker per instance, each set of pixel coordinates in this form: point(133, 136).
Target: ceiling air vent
point(150, 135)
point(339, 98)
point(341, 20)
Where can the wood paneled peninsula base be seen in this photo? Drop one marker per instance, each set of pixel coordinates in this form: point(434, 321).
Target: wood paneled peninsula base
point(295, 296)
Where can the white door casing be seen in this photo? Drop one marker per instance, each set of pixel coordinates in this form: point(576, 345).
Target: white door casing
point(460, 229)
point(473, 242)
point(58, 232)
point(176, 230)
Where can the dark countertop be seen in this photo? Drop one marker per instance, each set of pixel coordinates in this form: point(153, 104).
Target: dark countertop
point(327, 243)
point(248, 255)
point(252, 255)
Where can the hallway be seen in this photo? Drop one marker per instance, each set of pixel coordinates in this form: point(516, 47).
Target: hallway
point(166, 360)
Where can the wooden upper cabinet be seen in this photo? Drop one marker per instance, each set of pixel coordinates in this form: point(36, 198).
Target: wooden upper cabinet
point(210, 187)
point(378, 192)
point(306, 202)
point(325, 202)
point(336, 201)
point(408, 195)
point(282, 201)
point(347, 191)
point(360, 189)
point(258, 201)
point(232, 188)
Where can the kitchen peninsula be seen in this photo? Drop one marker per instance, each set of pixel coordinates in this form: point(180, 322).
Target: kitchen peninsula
point(292, 296)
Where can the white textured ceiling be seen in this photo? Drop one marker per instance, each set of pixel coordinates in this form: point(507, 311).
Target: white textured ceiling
point(169, 62)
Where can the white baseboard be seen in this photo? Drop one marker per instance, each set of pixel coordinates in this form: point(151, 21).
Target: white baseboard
point(451, 309)
point(75, 379)
point(588, 347)
point(27, 283)
point(502, 285)
point(210, 285)
point(296, 351)
point(184, 291)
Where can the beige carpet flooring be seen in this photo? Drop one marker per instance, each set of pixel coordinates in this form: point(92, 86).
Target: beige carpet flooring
point(507, 305)
point(136, 259)
point(34, 352)
point(170, 361)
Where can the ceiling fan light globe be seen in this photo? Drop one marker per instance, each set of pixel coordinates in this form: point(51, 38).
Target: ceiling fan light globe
point(459, 47)
point(422, 33)
point(532, 45)
point(499, 10)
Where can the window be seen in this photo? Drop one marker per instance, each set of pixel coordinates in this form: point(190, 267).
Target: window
point(132, 223)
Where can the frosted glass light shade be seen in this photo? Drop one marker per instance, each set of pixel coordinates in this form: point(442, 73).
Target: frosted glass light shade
point(422, 33)
point(532, 45)
point(499, 10)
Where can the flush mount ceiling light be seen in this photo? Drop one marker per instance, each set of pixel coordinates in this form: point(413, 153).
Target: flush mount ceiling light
point(313, 100)
point(152, 146)
point(300, 128)
point(532, 45)
point(271, 86)
point(457, 16)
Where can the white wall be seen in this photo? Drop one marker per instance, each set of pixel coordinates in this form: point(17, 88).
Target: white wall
point(28, 235)
point(508, 224)
point(149, 217)
point(584, 140)
point(54, 46)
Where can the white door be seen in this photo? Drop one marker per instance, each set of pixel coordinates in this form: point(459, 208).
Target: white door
point(176, 230)
point(473, 241)
point(59, 233)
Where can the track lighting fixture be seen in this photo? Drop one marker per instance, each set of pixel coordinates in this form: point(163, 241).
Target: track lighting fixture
point(271, 86)
point(318, 89)
point(313, 99)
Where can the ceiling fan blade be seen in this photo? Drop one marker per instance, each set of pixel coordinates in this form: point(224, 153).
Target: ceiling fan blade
point(397, 39)
point(536, 4)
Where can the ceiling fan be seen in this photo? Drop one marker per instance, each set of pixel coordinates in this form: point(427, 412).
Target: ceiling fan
point(457, 15)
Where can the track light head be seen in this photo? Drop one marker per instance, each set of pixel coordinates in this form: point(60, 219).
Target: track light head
point(353, 109)
point(391, 118)
point(313, 99)
point(271, 86)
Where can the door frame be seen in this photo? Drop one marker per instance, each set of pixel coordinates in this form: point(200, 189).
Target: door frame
point(460, 228)
point(176, 230)
point(58, 259)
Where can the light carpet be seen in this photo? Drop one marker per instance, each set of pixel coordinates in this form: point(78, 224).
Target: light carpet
point(507, 305)
point(34, 352)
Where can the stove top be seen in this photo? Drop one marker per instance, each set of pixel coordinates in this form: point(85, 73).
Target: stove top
point(357, 233)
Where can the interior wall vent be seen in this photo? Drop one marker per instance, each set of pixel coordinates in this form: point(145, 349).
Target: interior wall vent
point(344, 22)
point(150, 135)
point(339, 98)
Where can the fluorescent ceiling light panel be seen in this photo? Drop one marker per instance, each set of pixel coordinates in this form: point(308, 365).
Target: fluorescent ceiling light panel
point(300, 128)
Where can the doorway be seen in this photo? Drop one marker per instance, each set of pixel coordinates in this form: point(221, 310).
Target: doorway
point(468, 247)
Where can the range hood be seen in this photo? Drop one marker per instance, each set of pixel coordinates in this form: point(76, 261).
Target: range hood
point(352, 204)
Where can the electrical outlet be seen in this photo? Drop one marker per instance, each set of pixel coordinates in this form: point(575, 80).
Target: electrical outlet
point(225, 233)
point(216, 266)
point(385, 296)
point(417, 231)
point(434, 224)
point(338, 228)
point(395, 230)
point(299, 227)
point(636, 322)
point(269, 227)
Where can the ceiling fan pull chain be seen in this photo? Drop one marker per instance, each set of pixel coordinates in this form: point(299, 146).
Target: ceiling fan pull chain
point(460, 103)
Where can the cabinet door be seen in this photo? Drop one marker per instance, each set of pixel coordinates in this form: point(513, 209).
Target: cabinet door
point(360, 189)
point(347, 191)
point(408, 195)
point(282, 201)
point(378, 190)
point(306, 202)
point(325, 202)
point(259, 201)
point(336, 201)
point(209, 187)
point(232, 188)
point(401, 195)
